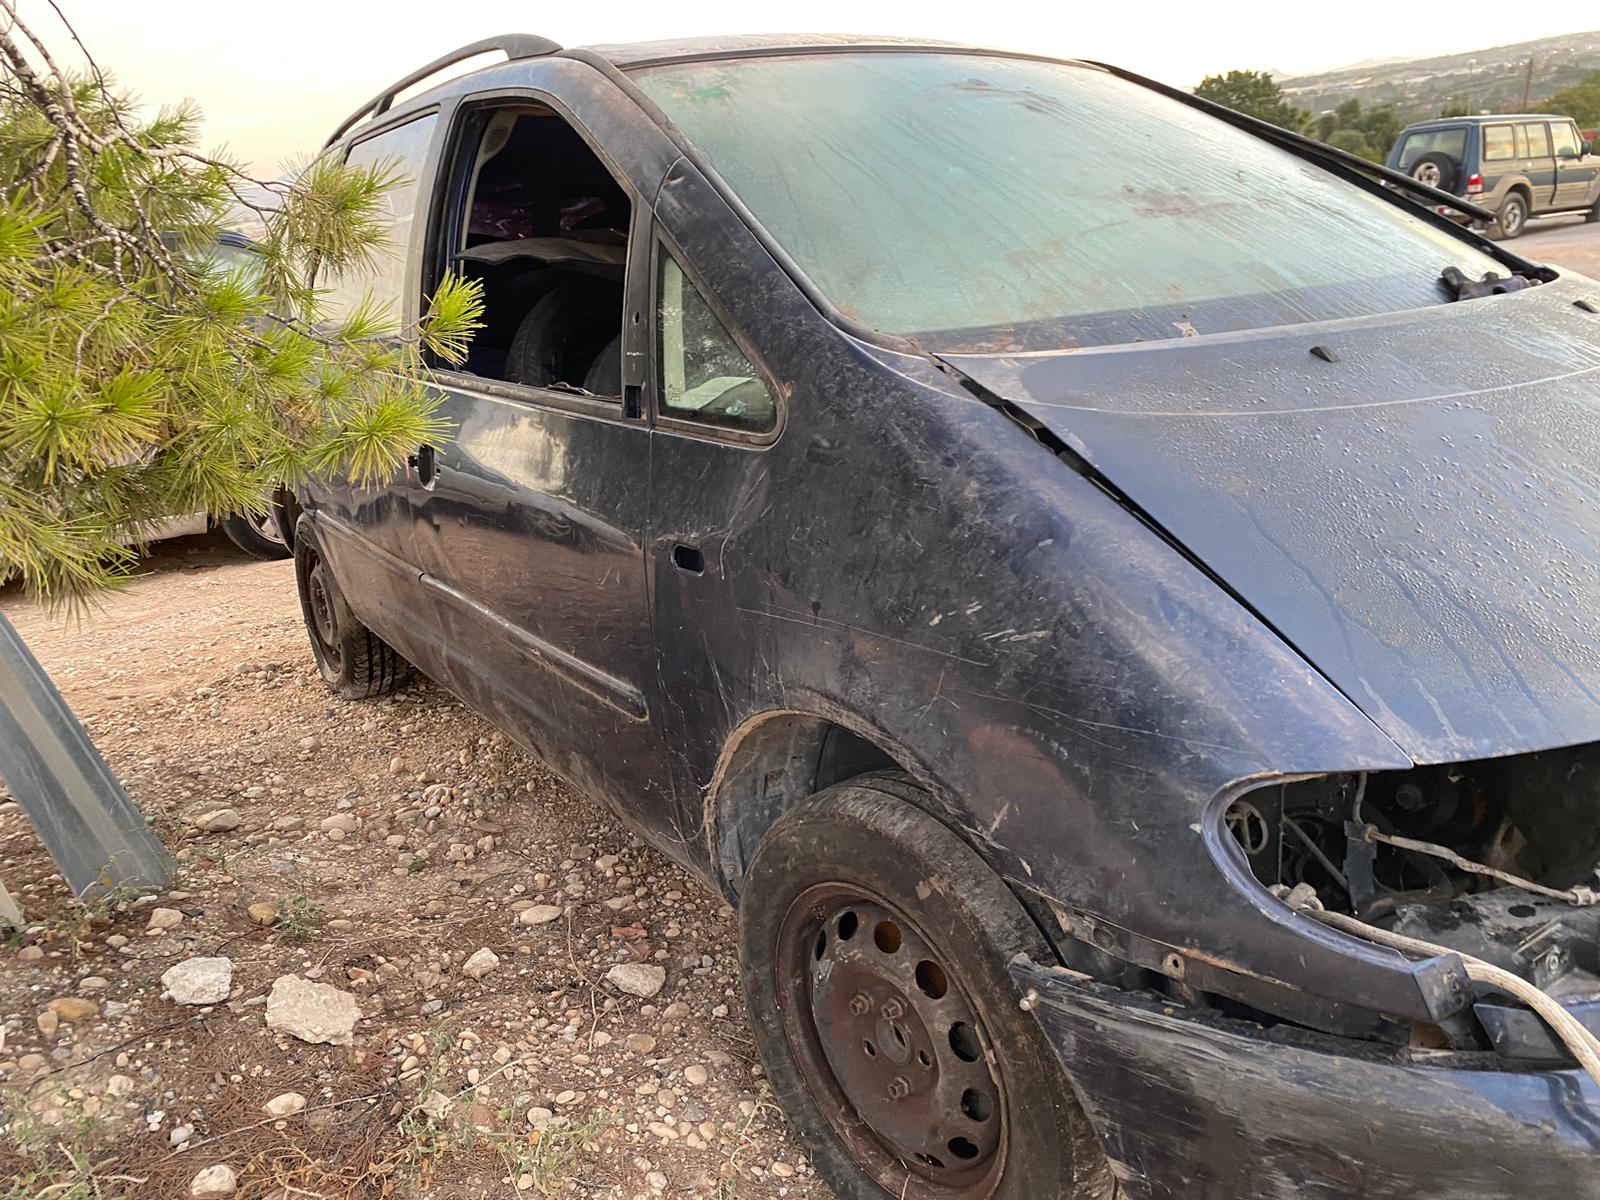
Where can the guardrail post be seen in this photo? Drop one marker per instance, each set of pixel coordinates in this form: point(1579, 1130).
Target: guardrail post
point(95, 834)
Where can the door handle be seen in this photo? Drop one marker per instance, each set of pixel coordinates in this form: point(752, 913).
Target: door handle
point(423, 463)
point(688, 559)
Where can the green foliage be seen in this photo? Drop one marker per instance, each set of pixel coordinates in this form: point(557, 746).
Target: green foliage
point(1455, 108)
point(1366, 134)
point(1581, 103)
point(1255, 94)
point(138, 380)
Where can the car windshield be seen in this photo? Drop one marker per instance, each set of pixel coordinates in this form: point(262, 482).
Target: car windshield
point(1451, 142)
point(983, 202)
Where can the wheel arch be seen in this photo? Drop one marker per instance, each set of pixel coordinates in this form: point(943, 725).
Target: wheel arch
point(775, 759)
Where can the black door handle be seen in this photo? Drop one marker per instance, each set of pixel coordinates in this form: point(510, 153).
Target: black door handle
point(688, 559)
point(422, 462)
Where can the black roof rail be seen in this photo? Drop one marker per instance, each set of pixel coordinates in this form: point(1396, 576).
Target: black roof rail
point(513, 45)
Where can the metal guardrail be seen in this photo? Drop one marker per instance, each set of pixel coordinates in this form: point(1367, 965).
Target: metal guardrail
point(95, 834)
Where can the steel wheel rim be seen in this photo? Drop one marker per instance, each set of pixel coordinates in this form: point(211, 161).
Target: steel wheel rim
point(319, 602)
point(1427, 173)
point(1514, 215)
point(890, 1047)
point(266, 526)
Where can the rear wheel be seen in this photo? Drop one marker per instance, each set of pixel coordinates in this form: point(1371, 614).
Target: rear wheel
point(1436, 170)
point(1513, 217)
point(354, 662)
point(873, 946)
point(1594, 213)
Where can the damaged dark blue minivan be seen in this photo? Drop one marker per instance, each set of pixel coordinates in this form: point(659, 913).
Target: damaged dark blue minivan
point(1108, 589)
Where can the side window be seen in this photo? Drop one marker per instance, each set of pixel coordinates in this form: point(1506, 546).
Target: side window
point(1498, 143)
point(540, 220)
point(1533, 141)
point(1566, 140)
point(405, 148)
point(705, 377)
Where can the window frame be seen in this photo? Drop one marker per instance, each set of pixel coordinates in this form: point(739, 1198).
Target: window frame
point(446, 211)
point(1510, 128)
point(662, 243)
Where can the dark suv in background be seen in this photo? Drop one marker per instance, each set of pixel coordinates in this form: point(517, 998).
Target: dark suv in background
point(1518, 167)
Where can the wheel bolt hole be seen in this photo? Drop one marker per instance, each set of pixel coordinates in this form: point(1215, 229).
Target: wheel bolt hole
point(932, 980)
point(887, 936)
point(872, 1051)
point(976, 1106)
point(899, 1034)
point(822, 945)
point(964, 1041)
point(848, 924)
point(926, 1061)
point(962, 1148)
point(929, 1160)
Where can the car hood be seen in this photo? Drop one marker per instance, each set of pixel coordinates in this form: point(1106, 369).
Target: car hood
point(1419, 517)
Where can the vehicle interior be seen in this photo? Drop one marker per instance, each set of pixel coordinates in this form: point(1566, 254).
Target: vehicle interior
point(544, 225)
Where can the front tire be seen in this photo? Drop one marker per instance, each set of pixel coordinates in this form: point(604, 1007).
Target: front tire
point(873, 949)
point(354, 662)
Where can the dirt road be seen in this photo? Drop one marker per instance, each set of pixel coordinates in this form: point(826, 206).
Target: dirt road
point(1563, 242)
point(390, 843)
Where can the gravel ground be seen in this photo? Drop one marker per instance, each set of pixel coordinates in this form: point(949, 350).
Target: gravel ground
point(376, 851)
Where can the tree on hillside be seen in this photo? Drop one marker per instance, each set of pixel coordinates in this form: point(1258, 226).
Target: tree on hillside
point(1255, 94)
point(1368, 134)
point(138, 380)
point(1582, 103)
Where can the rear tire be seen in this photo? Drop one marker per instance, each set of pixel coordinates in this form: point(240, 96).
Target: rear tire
point(354, 662)
point(1594, 214)
point(1436, 170)
point(1512, 218)
point(873, 948)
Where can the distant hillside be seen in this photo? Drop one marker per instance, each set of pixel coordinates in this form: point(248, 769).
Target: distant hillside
point(1481, 80)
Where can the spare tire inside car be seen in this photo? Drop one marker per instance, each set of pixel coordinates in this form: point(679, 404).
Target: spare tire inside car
point(1436, 170)
point(565, 332)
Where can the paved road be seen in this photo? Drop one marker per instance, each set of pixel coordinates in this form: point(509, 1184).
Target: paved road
point(1563, 242)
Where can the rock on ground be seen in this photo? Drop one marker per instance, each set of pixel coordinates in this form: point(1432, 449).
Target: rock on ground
point(214, 1181)
point(218, 820)
point(481, 963)
point(638, 979)
point(199, 980)
point(285, 1105)
point(312, 1012)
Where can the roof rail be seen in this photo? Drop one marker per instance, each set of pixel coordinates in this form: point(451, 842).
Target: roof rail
point(513, 45)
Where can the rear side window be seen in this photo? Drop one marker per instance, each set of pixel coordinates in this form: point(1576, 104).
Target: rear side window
point(1499, 143)
point(1533, 141)
point(705, 377)
point(1566, 141)
point(1449, 142)
point(405, 149)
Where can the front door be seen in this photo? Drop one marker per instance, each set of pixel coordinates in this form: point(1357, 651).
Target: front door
point(530, 521)
point(1575, 170)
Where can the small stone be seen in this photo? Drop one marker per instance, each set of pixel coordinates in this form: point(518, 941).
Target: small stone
point(74, 1008)
point(180, 1134)
point(116, 941)
point(435, 1106)
point(640, 1043)
point(164, 918)
point(284, 1105)
point(263, 912)
point(30, 954)
point(119, 1086)
point(695, 1076)
point(481, 963)
point(212, 1182)
point(539, 914)
point(540, 1117)
point(199, 980)
point(638, 979)
point(312, 1012)
point(344, 822)
point(782, 1170)
point(92, 983)
point(31, 1062)
point(218, 820)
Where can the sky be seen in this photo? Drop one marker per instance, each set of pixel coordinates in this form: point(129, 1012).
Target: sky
point(274, 79)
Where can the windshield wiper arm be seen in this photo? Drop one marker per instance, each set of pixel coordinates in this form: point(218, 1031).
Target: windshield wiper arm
point(1463, 287)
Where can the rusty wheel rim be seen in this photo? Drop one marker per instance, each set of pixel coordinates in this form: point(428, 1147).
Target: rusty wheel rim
point(890, 1047)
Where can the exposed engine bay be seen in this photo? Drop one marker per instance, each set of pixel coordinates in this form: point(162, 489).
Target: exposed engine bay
point(1495, 859)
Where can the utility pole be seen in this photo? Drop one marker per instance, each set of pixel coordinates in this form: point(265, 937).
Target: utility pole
point(1527, 87)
